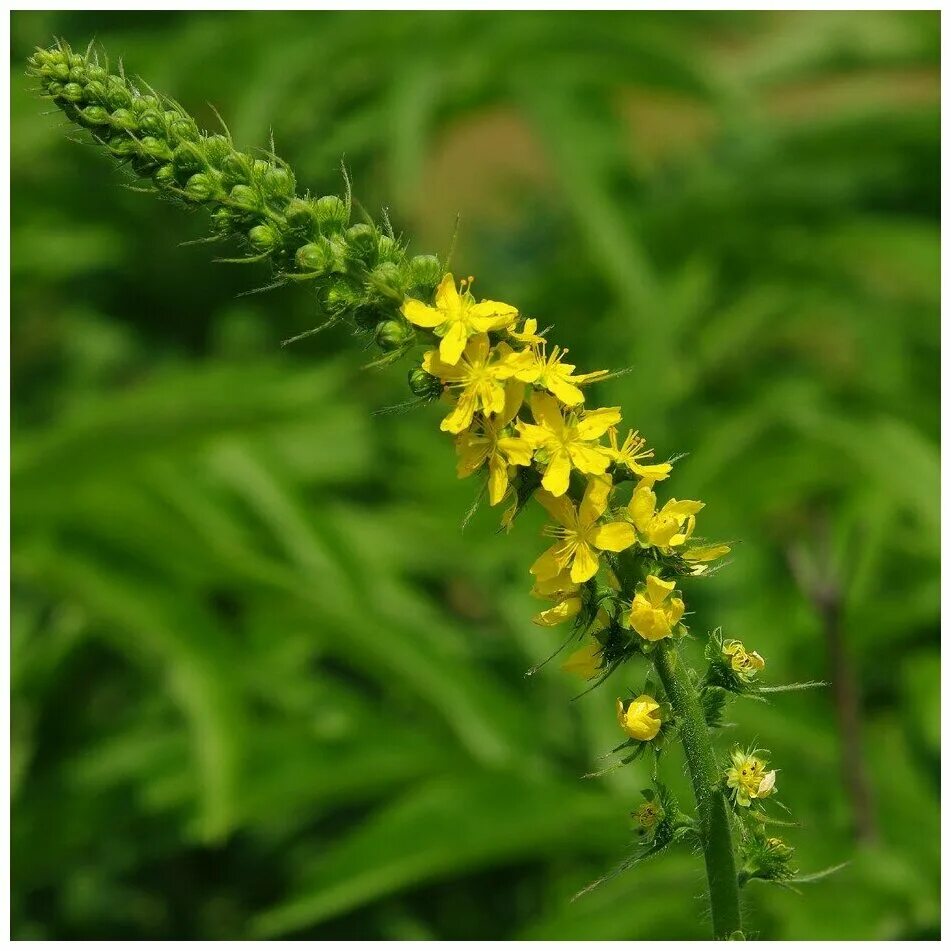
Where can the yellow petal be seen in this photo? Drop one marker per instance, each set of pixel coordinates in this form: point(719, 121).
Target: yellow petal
point(564, 611)
point(498, 479)
point(547, 412)
point(675, 611)
point(461, 415)
point(642, 505)
point(491, 315)
point(567, 392)
point(473, 451)
point(517, 451)
point(614, 536)
point(514, 397)
point(560, 584)
point(595, 499)
point(556, 476)
point(560, 508)
point(452, 345)
point(547, 565)
point(447, 297)
point(708, 553)
point(585, 563)
point(416, 312)
point(658, 589)
point(535, 436)
point(584, 662)
point(596, 422)
point(589, 459)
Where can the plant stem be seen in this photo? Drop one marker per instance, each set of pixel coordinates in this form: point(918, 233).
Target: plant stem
point(712, 814)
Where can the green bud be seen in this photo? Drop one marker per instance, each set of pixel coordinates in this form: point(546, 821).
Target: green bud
point(143, 104)
point(95, 92)
point(362, 239)
point(299, 213)
point(425, 272)
point(216, 148)
point(124, 120)
point(73, 92)
point(59, 71)
point(340, 297)
point(317, 257)
point(78, 75)
point(200, 187)
point(188, 159)
point(74, 59)
point(394, 335)
point(424, 384)
point(222, 222)
point(54, 89)
point(331, 213)
point(152, 123)
point(121, 146)
point(117, 96)
point(264, 238)
point(245, 198)
point(388, 248)
point(181, 129)
point(387, 279)
point(164, 176)
point(156, 149)
point(95, 73)
point(277, 182)
point(95, 115)
point(236, 169)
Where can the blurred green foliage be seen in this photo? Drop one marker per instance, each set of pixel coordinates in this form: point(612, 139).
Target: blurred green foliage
point(262, 684)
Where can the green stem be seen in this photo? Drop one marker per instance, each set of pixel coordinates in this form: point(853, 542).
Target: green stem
point(711, 804)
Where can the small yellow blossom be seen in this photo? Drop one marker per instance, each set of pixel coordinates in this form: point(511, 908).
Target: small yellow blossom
point(640, 720)
point(586, 661)
point(632, 451)
point(456, 317)
point(565, 441)
point(746, 663)
point(475, 378)
point(528, 334)
point(487, 441)
point(703, 553)
point(580, 537)
point(669, 527)
point(547, 372)
point(748, 778)
point(654, 614)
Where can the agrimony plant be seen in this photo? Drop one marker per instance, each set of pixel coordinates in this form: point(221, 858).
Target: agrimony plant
point(619, 558)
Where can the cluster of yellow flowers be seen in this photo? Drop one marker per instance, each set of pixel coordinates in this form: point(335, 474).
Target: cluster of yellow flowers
point(516, 404)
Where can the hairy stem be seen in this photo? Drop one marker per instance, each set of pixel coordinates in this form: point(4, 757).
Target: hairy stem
point(711, 805)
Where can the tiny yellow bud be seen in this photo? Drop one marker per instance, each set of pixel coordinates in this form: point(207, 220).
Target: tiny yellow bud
point(640, 720)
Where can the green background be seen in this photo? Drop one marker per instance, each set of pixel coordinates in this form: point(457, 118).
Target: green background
point(262, 683)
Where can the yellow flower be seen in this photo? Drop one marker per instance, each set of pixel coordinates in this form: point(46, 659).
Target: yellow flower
point(475, 378)
point(586, 661)
point(528, 334)
point(549, 373)
point(653, 616)
point(748, 778)
point(566, 441)
point(579, 535)
point(456, 317)
point(669, 527)
point(640, 720)
point(746, 663)
point(487, 441)
point(631, 453)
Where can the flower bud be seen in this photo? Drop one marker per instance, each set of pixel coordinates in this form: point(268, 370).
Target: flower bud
point(95, 92)
point(424, 384)
point(425, 272)
point(95, 73)
point(264, 238)
point(152, 123)
point(94, 115)
point(117, 95)
point(316, 257)
point(362, 240)
point(121, 146)
point(387, 248)
point(200, 187)
point(299, 213)
point(164, 176)
point(54, 89)
point(222, 222)
point(245, 197)
point(78, 75)
point(123, 120)
point(394, 335)
point(277, 182)
point(188, 159)
point(73, 92)
point(236, 169)
point(640, 720)
point(181, 129)
point(74, 59)
point(216, 147)
point(331, 213)
point(387, 279)
point(143, 104)
point(59, 71)
point(156, 149)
